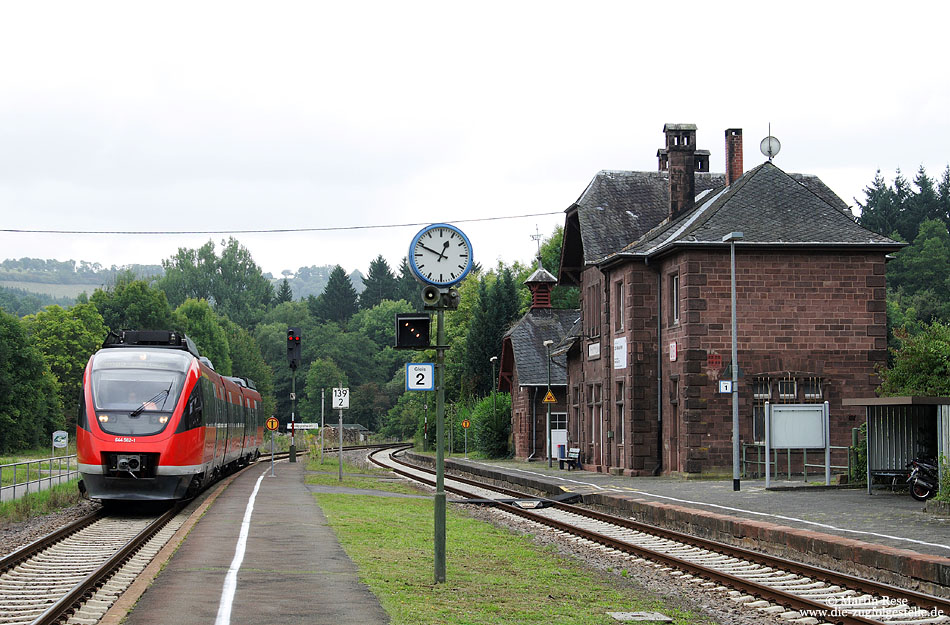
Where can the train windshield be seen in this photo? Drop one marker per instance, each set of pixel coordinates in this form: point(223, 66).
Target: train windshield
point(135, 391)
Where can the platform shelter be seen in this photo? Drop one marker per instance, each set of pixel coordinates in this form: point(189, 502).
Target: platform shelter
point(901, 429)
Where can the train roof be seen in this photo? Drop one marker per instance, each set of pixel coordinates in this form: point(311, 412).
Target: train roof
point(166, 339)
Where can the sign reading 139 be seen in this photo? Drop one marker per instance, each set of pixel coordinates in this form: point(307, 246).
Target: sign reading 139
point(341, 398)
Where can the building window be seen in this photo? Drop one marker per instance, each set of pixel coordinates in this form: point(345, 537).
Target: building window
point(811, 388)
point(618, 306)
point(592, 310)
point(576, 411)
point(674, 299)
point(590, 411)
point(761, 390)
point(558, 420)
point(787, 390)
point(620, 412)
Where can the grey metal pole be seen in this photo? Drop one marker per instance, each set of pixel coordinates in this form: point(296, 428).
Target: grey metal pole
point(293, 410)
point(272, 453)
point(547, 346)
point(323, 401)
point(341, 444)
point(735, 370)
point(440, 447)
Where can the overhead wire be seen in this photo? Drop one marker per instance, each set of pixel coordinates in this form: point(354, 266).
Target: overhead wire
point(265, 230)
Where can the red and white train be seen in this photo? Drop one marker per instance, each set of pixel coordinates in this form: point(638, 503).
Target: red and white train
point(156, 421)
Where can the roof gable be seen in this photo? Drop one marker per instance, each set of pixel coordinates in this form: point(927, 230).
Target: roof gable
point(769, 207)
point(616, 209)
point(527, 338)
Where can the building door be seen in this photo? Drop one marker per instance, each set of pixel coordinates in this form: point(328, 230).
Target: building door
point(559, 434)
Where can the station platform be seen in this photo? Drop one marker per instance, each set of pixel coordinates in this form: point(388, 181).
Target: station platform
point(293, 571)
point(887, 535)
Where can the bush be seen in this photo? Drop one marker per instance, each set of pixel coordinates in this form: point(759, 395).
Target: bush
point(493, 426)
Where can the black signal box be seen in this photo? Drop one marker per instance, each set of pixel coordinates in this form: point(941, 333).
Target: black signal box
point(412, 330)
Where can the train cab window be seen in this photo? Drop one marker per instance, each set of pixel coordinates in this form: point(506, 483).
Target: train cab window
point(135, 392)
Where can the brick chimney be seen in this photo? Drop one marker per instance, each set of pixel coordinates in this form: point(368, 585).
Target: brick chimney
point(681, 149)
point(733, 155)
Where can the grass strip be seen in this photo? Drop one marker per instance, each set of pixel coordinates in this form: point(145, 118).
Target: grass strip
point(39, 503)
point(327, 473)
point(493, 575)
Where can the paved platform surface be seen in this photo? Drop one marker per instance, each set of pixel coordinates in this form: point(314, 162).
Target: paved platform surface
point(893, 519)
point(294, 569)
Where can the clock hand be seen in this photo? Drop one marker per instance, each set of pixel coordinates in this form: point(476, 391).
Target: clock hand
point(445, 246)
point(429, 249)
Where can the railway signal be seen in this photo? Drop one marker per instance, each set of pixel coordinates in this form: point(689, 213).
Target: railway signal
point(293, 347)
point(293, 358)
point(412, 330)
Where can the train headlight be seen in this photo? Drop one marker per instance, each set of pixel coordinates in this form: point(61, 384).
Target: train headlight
point(163, 419)
point(103, 418)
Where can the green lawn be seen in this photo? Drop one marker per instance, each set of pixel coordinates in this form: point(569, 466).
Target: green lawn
point(493, 575)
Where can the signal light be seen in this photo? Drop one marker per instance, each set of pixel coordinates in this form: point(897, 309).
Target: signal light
point(293, 347)
point(412, 330)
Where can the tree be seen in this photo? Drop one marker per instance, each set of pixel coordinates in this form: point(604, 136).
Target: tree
point(248, 362)
point(338, 300)
point(380, 284)
point(921, 364)
point(925, 263)
point(232, 283)
point(196, 319)
point(879, 212)
point(323, 376)
point(284, 293)
point(67, 338)
point(132, 306)
point(479, 344)
point(30, 409)
point(408, 288)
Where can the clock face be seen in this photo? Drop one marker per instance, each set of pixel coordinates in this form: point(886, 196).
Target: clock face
point(440, 254)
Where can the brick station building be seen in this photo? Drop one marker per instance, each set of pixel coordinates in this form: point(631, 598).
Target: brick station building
point(524, 370)
point(654, 337)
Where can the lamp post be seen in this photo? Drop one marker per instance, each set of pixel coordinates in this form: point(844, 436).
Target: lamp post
point(731, 239)
point(547, 345)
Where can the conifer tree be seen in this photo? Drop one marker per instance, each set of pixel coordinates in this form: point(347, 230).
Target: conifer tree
point(338, 302)
point(379, 284)
point(284, 293)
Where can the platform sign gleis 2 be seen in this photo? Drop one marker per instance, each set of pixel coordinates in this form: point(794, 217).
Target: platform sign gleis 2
point(420, 376)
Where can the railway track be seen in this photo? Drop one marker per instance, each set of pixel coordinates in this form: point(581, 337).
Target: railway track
point(788, 589)
point(76, 570)
point(75, 574)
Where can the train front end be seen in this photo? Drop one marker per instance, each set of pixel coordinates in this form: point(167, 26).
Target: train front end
point(134, 394)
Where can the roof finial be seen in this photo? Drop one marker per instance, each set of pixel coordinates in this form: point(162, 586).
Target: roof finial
point(537, 237)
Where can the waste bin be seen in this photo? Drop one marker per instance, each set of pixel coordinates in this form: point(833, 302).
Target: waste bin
point(560, 451)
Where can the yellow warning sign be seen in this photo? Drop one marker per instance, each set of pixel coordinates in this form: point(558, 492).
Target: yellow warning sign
point(272, 424)
point(549, 398)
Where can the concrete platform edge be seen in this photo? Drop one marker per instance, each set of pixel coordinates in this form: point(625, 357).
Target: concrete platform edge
point(900, 567)
point(127, 600)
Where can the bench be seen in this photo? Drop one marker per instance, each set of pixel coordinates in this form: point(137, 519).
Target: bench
point(572, 459)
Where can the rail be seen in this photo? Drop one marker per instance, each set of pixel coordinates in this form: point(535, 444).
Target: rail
point(20, 478)
point(758, 463)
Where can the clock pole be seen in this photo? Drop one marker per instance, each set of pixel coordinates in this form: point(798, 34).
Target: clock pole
point(440, 445)
point(440, 256)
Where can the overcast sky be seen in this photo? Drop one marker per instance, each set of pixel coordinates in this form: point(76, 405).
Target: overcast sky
point(201, 116)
